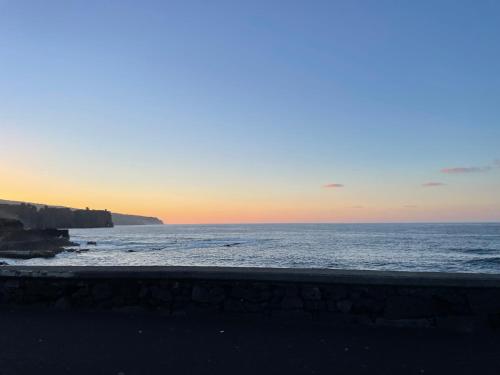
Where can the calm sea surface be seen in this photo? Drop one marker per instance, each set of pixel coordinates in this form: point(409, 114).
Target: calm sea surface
point(405, 247)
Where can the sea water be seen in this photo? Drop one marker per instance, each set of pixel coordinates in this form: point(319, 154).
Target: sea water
point(399, 247)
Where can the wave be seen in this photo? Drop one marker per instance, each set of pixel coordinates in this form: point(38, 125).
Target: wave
point(479, 251)
point(484, 262)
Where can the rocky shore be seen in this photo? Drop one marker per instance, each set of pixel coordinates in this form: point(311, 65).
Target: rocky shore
point(20, 243)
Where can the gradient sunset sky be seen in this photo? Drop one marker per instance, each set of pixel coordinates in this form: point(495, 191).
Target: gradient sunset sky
point(253, 111)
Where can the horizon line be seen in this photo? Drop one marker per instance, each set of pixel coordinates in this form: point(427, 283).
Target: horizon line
point(339, 222)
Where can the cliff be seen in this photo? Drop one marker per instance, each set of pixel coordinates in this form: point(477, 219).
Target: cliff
point(36, 217)
point(42, 216)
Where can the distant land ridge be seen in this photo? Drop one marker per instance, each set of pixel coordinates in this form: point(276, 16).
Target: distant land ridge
point(124, 219)
point(36, 215)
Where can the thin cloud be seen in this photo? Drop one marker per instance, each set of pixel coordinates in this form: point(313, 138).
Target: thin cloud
point(496, 163)
point(333, 186)
point(410, 206)
point(433, 184)
point(462, 170)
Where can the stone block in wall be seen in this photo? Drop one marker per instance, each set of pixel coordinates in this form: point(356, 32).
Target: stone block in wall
point(291, 314)
point(365, 305)
point(381, 292)
point(253, 293)
point(335, 292)
point(200, 310)
point(255, 307)
point(331, 306)
point(405, 323)
point(311, 293)
point(160, 294)
point(484, 301)
point(234, 305)
point(291, 290)
point(63, 303)
point(82, 291)
point(43, 290)
point(405, 307)
point(314, 305)
point(344, 306)
point(12, 284)
point(208, 294)
point(466, 324)
point(292, 303)
point(102, 291)
point(242, 306)
point(181, 288)
point(117, 300)
point(339, 319)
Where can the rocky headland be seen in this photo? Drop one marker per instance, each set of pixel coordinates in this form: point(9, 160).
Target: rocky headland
point(41, 216)
point(123, 219)
point(20, 243)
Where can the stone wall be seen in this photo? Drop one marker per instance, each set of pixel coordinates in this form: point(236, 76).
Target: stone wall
point(457, 301)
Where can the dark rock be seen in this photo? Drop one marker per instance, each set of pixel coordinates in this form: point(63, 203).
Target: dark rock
point(332, 306)
point(232, 244)
point(254, 307)
point(466, 324)
point(144, 292)
point(81, 294)
point(344, 306)
point(311, 293)
point(12, 284)
point(234, 305)
point(62, 304)
point(10, 225)
point(29, 254)
point(405, 307)
point(207, 294)
point(102, 291)
point(335, 292)
point(314, 305)
point(405, 323)
point(130, 310)
point(291, 314)
point(161, 294)
point(17, 242)
point(291, 303)
point(91, 243)
point(4, 264)
point(367, 305)
point(480, 301)
point(291, 290)
point(254, 293)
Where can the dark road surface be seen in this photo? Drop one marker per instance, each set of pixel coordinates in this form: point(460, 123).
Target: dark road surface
point(53, 342)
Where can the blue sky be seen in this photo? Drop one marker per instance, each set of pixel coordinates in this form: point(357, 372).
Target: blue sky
point(244, 104)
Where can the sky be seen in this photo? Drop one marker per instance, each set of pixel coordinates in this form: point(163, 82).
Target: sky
point(253, 111)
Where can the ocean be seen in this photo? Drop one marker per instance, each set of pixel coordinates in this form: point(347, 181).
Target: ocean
point(399, 247)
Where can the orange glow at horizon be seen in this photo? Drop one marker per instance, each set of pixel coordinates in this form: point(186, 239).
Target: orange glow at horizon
point(213, 207)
